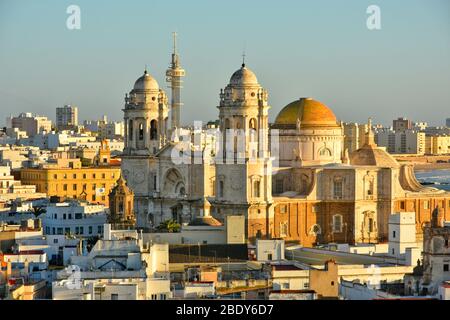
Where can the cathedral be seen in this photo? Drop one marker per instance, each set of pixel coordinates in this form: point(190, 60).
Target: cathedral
point(311, 191)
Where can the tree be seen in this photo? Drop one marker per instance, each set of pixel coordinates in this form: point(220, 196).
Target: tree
point(169, 226)
point(38, 210)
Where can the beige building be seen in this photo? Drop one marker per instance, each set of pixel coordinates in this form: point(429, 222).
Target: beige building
point(317, 192)
point(11, 189)
point(31, 124)
point(437, 144)
point(354, 136)
point(401, 142)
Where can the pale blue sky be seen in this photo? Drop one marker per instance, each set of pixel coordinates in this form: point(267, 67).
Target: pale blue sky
point(297, 48)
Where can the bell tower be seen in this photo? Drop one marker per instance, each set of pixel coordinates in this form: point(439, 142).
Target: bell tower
point(243, 163)
point(146, 117)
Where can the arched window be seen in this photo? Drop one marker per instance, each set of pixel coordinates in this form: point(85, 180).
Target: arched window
point(130, 130)
point(325, 152)
point(153, 129)
point(141, 131)
point(337, 223)
point(252, 124)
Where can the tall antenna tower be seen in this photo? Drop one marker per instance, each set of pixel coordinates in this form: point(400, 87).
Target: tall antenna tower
point(173, 77)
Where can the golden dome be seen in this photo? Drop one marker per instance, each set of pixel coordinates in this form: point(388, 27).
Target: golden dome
point(309, 112)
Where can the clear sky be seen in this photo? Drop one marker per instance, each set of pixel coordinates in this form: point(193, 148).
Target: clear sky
point(319, 48)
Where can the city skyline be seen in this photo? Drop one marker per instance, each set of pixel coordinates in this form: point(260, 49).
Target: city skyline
point(358, 72)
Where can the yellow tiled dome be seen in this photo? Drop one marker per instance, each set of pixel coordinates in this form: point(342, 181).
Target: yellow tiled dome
point(309, 112)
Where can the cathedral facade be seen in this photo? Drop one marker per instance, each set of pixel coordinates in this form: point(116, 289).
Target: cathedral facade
point(316, 193)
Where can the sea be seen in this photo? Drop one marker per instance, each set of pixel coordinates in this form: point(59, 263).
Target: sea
point(439, 179)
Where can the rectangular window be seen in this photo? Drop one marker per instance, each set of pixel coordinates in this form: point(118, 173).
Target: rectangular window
point(74, 175)
point(337, 223)
point(90, 229)
point(402, 205)
point(426, 205)
point(279, 186)
point(84, 175)
point(74, 187)
point(114, 296)
point(65, 187)
point(446, 267)
point(283, 229)
point(60, 231)
point(67, 231)
point(393, 234)
point(221, 189)
point(256, 189)
point(337, 189)
point(78, 216)
point(100, 229)
point(103, 176)
point(81, 230)
point(64, 216)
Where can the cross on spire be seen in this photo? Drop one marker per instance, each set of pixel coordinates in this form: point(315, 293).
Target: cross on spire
point(243, 58)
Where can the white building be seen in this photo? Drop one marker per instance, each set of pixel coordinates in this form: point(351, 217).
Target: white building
point(116, 269)
point(268, 250)
point(75, 217)
point(402, 234)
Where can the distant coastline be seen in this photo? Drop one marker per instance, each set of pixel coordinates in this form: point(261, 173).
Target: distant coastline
point(439, 178)
point(431, 166)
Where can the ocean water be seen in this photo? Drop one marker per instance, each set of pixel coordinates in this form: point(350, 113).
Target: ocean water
point(439, 178)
